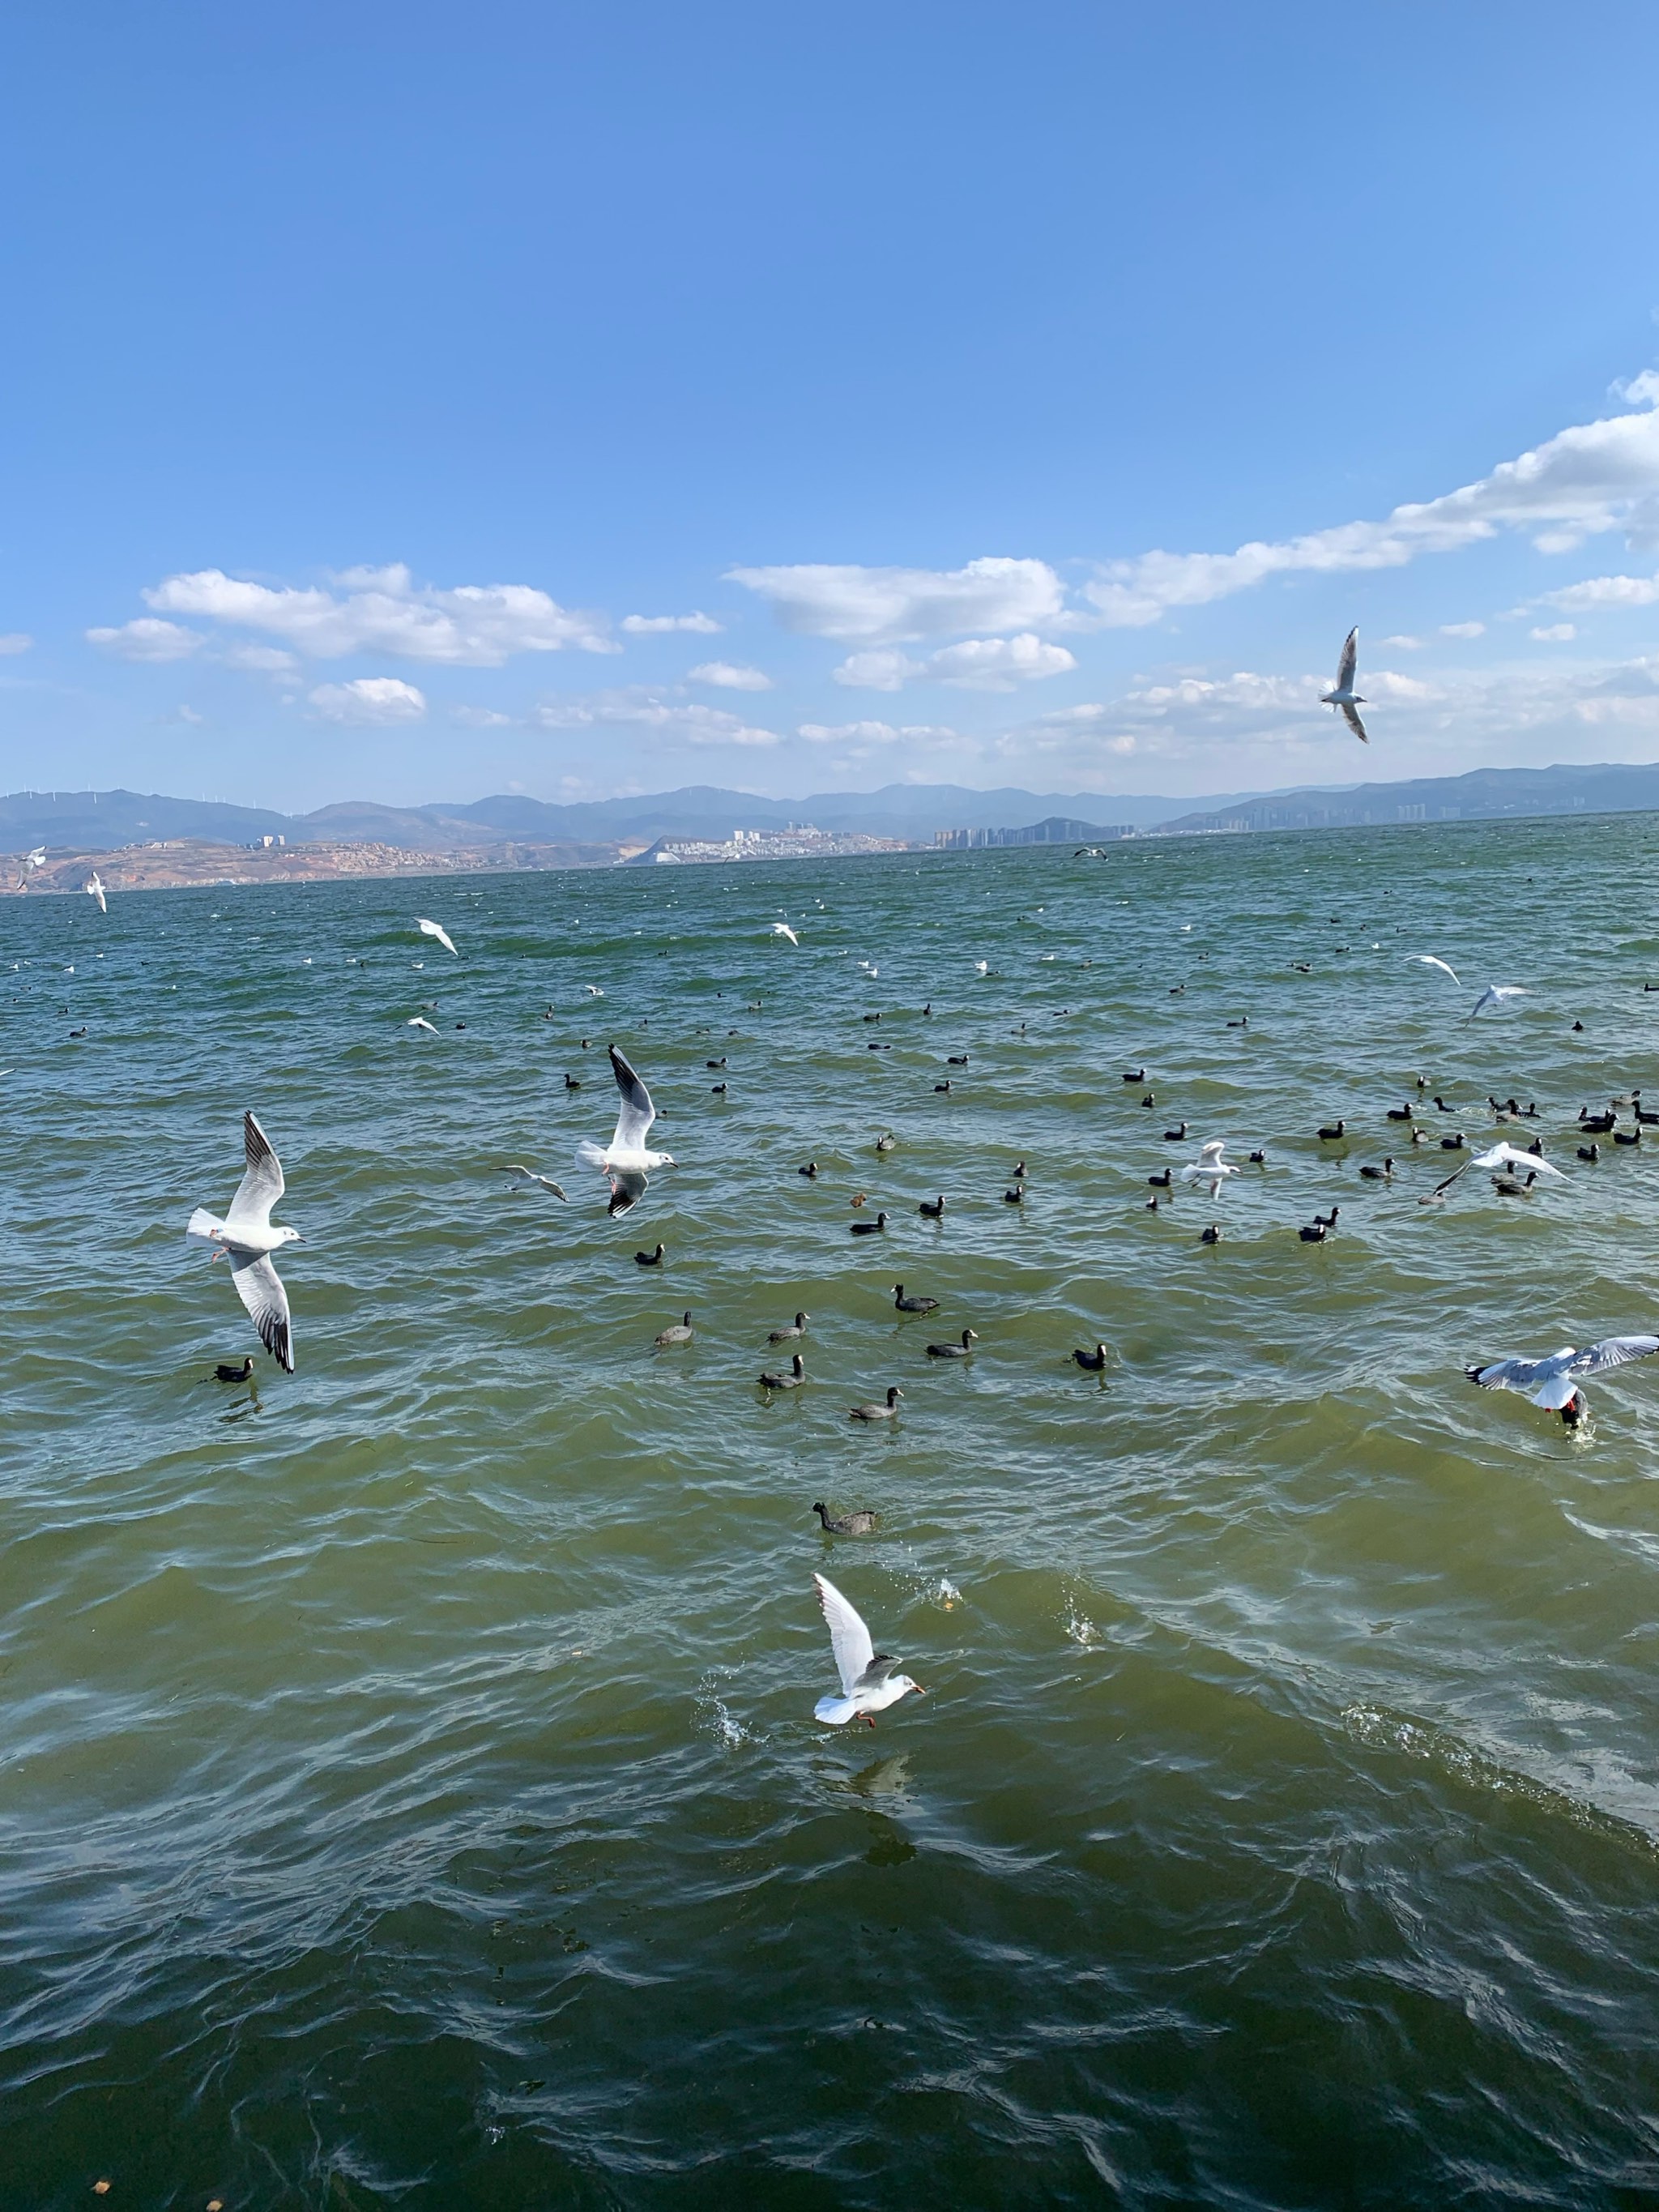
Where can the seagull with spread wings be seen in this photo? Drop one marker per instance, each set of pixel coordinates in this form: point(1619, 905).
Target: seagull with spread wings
point(247, 1238)
point(1209, 1167)
point(524, 1178)
point(1496, 1156)
point(1557, 1377)
point(869, 1683)
point(436, 929)
point(626, 1159)
point(1342, 695)
point(782, 929)
point(95, 889)
point(1495, 995)
point(1428, 960)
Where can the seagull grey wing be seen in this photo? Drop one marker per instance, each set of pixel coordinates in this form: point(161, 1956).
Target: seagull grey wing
point(881, 1666)
point(260, 1289)
point(1350, 716)
point(1612, 1352)
point(261, 1186)
point(636, 1113)
point(849, 1639)
point(1508, 1374)
point(1350, 660)
point(628, 1187)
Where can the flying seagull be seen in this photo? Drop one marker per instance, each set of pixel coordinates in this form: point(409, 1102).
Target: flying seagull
point(782, 929)
point(35, 859)
point(523, 1178)
point(247, 1236)
point(626, 1159)
point(436, 929)
point(1558, 1376)
point(1428, 960)
point(1342, 695)
point(1496, 995)
point(1209, 1167)
point(95, 890)
point(1499, 1156)
point(420, 1022)
point(868, 1683)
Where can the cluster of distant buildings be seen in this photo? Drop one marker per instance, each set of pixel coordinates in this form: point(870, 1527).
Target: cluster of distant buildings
point(794, 843)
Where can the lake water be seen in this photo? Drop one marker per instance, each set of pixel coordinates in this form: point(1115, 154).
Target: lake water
point(409, 1791)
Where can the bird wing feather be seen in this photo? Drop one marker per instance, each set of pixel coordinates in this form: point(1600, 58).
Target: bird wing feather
point(636, 1113)
point(1612, 1352)
point(1350, 716)
point(849, 1639)
point(260, 1289)
point(261, 1186)
point(1512, 1374)
point(1349, 662)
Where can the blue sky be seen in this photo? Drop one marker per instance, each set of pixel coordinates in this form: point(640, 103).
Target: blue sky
point(381, 380)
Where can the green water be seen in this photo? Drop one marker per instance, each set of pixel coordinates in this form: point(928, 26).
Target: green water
point(409, 1791)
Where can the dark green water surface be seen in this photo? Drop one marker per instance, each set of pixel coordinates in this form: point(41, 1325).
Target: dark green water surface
point(409, 1791)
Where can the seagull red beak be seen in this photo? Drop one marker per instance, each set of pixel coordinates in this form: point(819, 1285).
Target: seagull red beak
point(917, 1687)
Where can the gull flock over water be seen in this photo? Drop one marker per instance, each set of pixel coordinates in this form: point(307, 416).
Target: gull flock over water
point(870, 1682)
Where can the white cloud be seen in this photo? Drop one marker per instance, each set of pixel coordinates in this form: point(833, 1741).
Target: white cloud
point(1404, 644)
point(375, 700)
point(729, 676)
point(877, 733)
point(1554, 634)
point(884, 606)
point(1596, 593)
point(190, 714)
point(656, 625)
point(384, 610)
point(1462, 630)
point(147, 639)
point(1596, 476)
point(262, 660)
point(15, 640)
point(997, 664)
point(482, 718)
point(978, 663)
point(640, 709)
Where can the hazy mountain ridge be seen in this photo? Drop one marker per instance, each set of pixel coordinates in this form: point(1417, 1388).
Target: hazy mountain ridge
point(104, 820)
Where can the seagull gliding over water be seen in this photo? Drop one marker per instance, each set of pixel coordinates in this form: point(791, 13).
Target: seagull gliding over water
point(247, 1236)
point(436, 929)
point(1342, 695)
point(1209, 1167)
point(1496, 995)
point(626, 1159)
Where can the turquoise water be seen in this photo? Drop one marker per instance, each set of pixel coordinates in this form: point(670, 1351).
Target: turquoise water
point(411, 1796)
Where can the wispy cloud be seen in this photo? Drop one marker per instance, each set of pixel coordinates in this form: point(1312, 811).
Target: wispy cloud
point(147, 639)
point(729, 676)
point(369, 699)
point(1598, 594)
point(659, 625)
point(864, 734)
point(859, 605)
point(382, 610)
point(978, 663)
point(15, 640)
point(1595, 477)
point(640, 708)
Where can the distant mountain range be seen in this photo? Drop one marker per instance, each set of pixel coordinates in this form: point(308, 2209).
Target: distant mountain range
point(103, 820)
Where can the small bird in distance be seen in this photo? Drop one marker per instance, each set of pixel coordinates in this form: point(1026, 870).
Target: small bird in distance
point(436, 929)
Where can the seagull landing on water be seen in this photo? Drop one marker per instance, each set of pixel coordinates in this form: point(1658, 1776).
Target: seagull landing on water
point(868, 1683)
point(524, 1178)
point(1209, 1167)
point(246, 1236)
point(1342, 695)
point(95, 890)
point(1495, 995)
point(1428, 960)
point(782, 929)
point(436, 929)
point(626, 1159)
point(1558, 1376)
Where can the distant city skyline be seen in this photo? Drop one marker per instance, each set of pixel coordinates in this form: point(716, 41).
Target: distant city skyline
point(583, 407)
